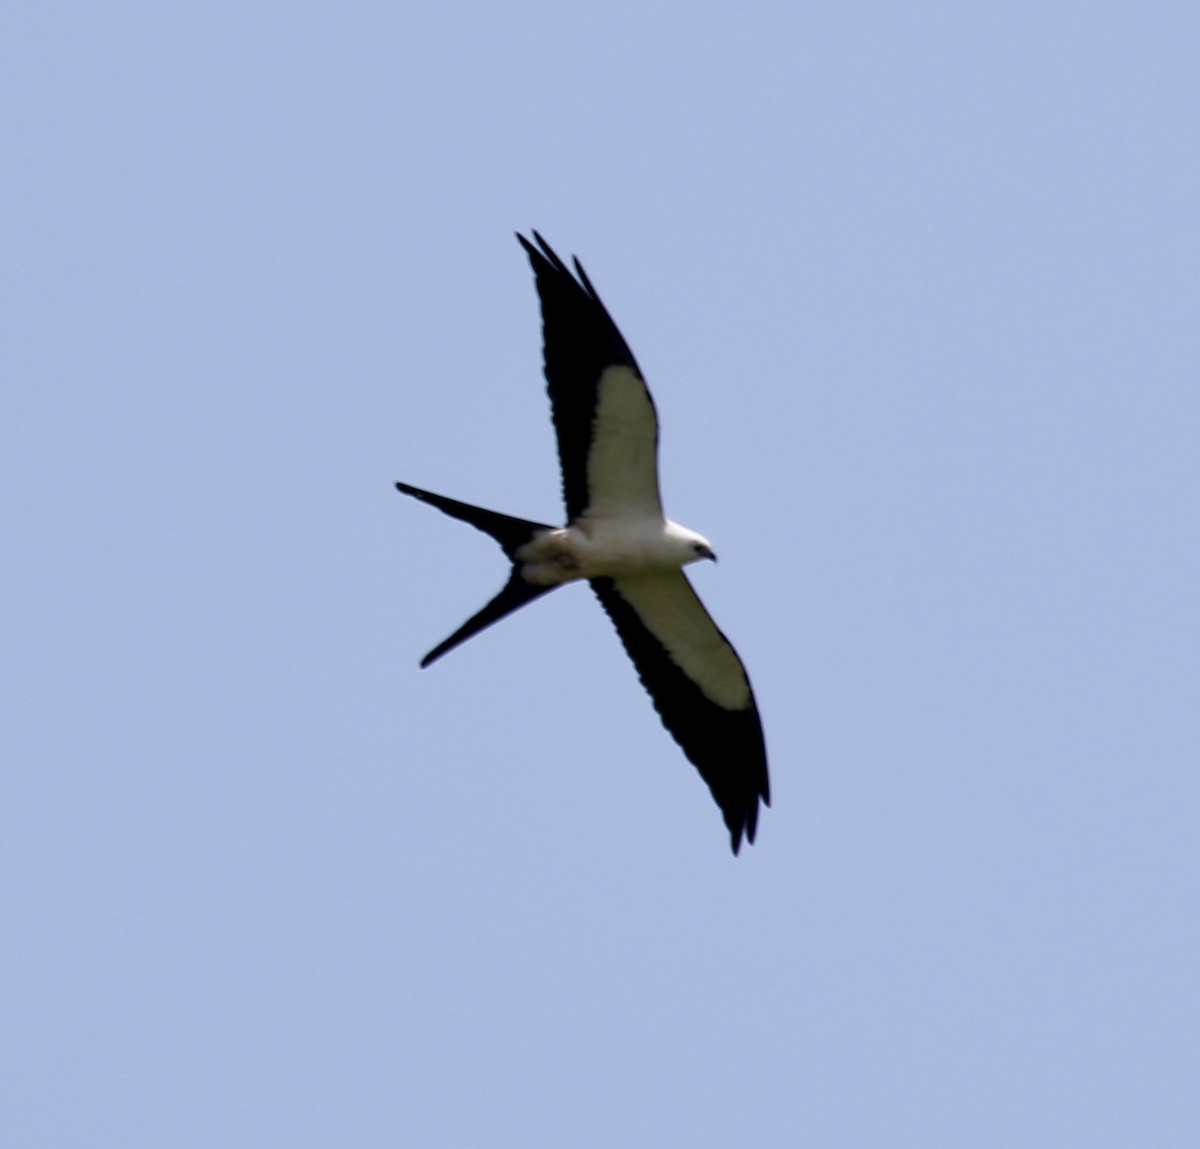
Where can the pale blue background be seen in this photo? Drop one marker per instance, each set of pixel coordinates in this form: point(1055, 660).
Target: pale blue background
point(917, 288)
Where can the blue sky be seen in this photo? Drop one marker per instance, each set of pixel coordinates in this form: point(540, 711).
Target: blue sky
point(916, 289)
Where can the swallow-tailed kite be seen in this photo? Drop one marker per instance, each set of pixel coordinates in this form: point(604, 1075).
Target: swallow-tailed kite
point(618, 539)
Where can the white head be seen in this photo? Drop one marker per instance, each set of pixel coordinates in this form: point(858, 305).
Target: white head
point(688, 545)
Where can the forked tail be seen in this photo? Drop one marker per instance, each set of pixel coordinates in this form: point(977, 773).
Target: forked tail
point(511, 534)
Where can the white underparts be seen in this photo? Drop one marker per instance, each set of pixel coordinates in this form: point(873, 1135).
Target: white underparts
point(609, 548)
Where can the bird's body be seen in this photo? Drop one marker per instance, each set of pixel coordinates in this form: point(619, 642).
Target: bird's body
point(598, 547)
point(618, 539)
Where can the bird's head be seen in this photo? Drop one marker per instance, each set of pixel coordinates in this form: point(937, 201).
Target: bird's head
point(691, 547)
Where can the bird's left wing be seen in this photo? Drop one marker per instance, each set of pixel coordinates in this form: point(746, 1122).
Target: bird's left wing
point(604, 417)
point(699, 688)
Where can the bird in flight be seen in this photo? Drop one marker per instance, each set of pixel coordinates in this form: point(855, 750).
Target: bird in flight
point(617, 538)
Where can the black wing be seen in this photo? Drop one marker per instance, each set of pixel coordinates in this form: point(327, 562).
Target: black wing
point(603, 415)
point(699, 688)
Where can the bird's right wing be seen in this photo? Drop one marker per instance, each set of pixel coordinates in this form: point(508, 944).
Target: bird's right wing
point(699, 688)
